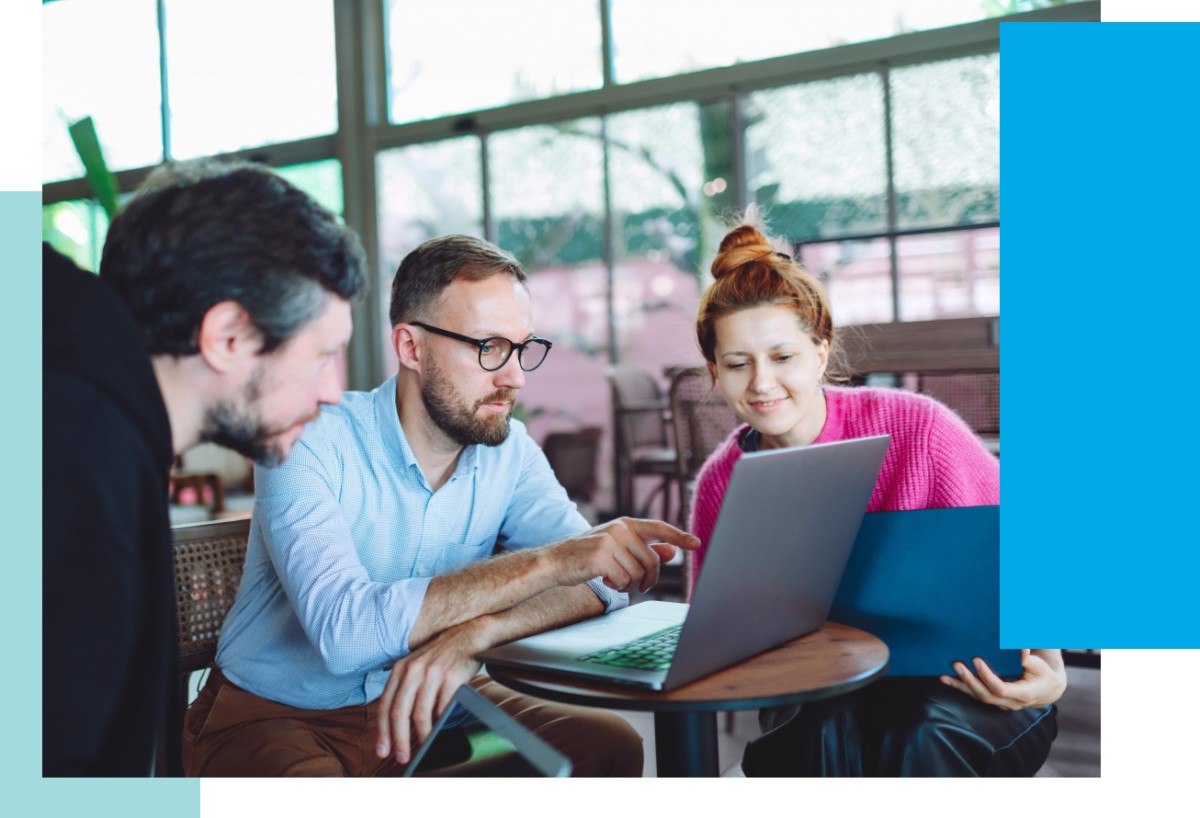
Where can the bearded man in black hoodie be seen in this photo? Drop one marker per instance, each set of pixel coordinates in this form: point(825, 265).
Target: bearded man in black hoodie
point(220, 312)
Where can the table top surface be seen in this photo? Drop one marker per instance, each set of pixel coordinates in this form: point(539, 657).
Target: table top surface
point(832, 660)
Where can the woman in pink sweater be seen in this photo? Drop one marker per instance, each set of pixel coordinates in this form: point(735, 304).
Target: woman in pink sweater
point(766, 332)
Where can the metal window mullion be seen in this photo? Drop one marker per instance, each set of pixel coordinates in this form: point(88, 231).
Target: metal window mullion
point(610, 280)
point(489, 218)
point(606, 50)
point(889, 160)
point(357, 41)
point(163, 82)
point(614, 354)
point(737, 125)
point(375, 95)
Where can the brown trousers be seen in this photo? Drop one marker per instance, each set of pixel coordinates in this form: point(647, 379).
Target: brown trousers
point(230, 732)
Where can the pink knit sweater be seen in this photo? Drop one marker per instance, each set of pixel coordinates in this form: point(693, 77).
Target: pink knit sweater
point(933, 461)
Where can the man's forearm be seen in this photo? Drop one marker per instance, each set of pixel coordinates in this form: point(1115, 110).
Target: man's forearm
point(487, 587)
point(549, 609)
point(625, 552)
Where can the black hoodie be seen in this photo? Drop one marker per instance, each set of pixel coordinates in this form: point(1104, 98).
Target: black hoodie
point(108, 607)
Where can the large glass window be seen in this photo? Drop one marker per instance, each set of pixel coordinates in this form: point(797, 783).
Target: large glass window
point(663, 217)
point(949, 275)
point(884, 178)
point(946, 136)
point(816, 160)
point(322, 180)
point(246, 73)
point(77, 230)
point(858, 277)
point(659, 38)
point(547, 196)
point(423, 191)
point(464, 55)
point(100, 59)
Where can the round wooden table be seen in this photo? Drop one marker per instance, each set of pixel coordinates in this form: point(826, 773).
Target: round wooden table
point(830, 661)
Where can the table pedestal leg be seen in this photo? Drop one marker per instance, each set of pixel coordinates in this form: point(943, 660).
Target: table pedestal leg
point(686, 744)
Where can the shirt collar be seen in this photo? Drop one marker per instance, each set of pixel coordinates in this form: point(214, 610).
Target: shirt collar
point(388, 419)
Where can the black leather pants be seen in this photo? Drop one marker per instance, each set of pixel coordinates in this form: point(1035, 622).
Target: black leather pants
point(901, 727)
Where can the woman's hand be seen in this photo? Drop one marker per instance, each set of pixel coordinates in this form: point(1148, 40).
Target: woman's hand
point(1043, 682)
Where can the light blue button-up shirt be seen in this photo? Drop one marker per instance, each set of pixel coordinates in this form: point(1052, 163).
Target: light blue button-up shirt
point(346, 537)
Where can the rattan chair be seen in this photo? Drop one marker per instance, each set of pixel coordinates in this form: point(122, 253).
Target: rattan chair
point(641, 419)
point(208, 569)
point(702, 421)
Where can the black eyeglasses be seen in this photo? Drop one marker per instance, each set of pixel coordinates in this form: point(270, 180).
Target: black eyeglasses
point(494, 352)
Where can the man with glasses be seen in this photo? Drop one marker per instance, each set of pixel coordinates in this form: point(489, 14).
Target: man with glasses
point(370, 583)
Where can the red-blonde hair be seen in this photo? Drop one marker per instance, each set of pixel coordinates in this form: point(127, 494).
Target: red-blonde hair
point(748, 272)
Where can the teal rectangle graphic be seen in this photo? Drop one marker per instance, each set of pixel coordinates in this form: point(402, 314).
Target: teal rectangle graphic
point(1099, 181)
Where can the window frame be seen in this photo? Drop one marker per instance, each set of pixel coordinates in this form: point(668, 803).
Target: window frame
point(364, 129)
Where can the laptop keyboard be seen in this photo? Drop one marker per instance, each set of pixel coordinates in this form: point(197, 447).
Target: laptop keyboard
point(651, 652)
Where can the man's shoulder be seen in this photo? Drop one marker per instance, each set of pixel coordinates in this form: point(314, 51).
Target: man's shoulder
point(105, 467)
point(78, 414)
point(91, 345)
point(350, 419)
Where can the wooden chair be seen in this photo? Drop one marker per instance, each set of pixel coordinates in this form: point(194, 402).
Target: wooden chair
point(641, 420)
point(955, 360)
point(573, 457)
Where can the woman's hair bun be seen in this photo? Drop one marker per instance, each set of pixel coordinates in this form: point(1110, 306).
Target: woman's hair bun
point(741, 245)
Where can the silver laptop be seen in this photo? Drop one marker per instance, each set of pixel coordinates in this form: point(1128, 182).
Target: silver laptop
point(773, 565)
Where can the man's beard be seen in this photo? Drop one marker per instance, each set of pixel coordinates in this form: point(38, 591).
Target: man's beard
point(242, 429)
point(458, 422)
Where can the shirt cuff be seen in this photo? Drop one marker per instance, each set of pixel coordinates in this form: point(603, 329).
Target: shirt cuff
point(399, 614)
point(613, 600)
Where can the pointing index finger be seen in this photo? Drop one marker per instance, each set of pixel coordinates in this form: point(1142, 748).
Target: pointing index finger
point(664, 532)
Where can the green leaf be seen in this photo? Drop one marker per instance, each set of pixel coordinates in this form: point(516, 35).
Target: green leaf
point(99, 177)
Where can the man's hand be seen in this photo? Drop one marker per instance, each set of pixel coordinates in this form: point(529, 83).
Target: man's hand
point(626, 552)
point(421, 686)
point(1043, 682)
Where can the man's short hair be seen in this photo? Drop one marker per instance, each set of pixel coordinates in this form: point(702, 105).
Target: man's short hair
point(201, 232)
point(428, 270)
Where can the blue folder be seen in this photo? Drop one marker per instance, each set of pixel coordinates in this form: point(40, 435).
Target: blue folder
point(928, 584)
